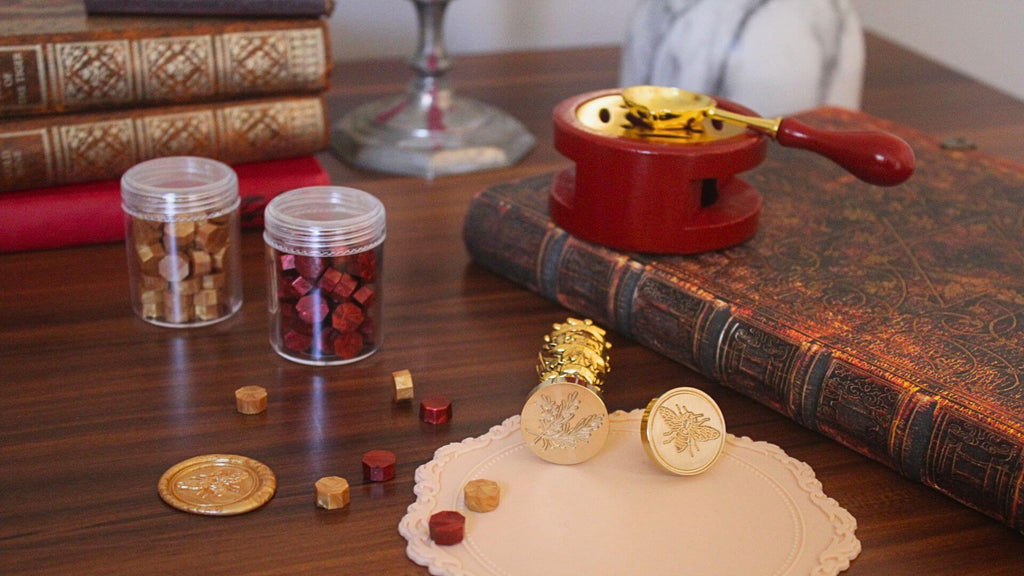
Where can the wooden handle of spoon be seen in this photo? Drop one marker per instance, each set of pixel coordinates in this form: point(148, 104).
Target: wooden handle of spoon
point(877, 158)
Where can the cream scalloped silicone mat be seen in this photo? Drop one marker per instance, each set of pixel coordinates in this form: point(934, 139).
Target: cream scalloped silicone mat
point(757, 511)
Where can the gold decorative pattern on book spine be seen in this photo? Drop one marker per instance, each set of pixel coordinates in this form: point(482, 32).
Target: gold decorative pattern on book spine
point(177, 67)
point(92, 72)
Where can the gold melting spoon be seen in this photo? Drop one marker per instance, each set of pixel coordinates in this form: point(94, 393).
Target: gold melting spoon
point(875, 157)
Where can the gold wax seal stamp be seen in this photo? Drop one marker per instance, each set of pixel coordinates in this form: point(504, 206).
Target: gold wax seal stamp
point(564, 420)
point(217, 485)
point(683, 431)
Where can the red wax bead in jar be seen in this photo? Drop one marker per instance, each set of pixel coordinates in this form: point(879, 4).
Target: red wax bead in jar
point(348, 344)
point(312, 308)
point(310, 267)
point(347, 317)
point(345, 286)
point(325, 248)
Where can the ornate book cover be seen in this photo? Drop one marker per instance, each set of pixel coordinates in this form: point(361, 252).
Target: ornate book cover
point(91, 213)
point(889, 319)
point(45, 151)
point(54, 58)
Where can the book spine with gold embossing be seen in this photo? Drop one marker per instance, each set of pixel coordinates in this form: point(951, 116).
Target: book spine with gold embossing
point(52, 150)
point(104, 63)
point(890, 320)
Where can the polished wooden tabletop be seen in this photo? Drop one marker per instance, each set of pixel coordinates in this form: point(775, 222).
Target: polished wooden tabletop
point(95, 404)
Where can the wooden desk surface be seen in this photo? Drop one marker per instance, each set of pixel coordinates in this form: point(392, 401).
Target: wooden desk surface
point(95, 404)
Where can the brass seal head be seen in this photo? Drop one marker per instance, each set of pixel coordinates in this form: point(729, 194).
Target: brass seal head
point(564, 420)
point(683, 431)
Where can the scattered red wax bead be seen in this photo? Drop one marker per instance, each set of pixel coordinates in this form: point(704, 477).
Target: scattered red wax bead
point(312, 308)
point(435, 410)
point(379, 465)
point(447, 527)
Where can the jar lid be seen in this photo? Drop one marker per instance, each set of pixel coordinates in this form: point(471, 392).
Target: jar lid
point(324, 221)
point(179, 188)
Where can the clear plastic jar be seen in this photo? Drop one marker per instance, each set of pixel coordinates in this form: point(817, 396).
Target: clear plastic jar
point(182, 235)
point(325, 256)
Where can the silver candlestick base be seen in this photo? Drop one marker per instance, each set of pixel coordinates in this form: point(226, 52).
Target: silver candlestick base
point(428, 131)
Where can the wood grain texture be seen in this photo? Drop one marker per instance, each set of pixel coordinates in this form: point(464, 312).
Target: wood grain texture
point(96, 404)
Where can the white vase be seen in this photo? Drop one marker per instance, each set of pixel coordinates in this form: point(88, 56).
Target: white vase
point(774, 56)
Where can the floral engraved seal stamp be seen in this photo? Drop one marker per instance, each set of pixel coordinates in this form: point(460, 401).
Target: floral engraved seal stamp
point(559, 427)
point(681, 440)
point(564, 420)
point(217, 485)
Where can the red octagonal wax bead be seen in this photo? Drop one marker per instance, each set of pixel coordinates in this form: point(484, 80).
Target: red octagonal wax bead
point(447, 527)
point(379, 465)
point(312, 308)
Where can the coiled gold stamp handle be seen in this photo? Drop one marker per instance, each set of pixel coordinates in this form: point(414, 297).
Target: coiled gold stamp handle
point(564, 420)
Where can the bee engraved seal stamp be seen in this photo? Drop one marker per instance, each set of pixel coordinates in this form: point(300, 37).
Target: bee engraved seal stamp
point(217, 485)
point(565, 421)
point(683, 431)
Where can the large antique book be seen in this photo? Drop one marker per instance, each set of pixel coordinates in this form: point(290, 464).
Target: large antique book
point(213, 7)
point(43, 151)
point(889, 319)
point(54, 58)
point(90, 213)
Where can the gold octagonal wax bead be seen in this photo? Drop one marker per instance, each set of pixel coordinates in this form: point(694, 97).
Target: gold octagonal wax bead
point(174, 267)
point(403, 385)
point(211, 237)
point(251, 399)
point(202, 262)
point(482, 495)
point(332, 492)
point(150, 256)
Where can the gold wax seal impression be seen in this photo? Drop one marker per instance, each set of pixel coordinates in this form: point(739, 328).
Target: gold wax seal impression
point(564, 420)
point(683, 431)
point(217, 485)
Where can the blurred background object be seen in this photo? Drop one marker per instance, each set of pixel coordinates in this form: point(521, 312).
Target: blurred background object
point(774, 56)
point(974, 38)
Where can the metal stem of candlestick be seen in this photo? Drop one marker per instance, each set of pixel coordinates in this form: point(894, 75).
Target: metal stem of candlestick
point(429, 131)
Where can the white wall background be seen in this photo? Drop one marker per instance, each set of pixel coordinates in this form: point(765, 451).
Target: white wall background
point(981, 38)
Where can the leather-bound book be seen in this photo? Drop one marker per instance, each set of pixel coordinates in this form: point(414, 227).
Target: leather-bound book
point(54, 58)
point(79, 214)
point(213, 7)
point(888, 319)
point(43, 151)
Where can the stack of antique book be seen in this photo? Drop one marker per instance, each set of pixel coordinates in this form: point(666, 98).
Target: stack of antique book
point(85, 96)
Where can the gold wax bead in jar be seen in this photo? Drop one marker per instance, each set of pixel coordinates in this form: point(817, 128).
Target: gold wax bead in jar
point(182, 235)
point(564, 420)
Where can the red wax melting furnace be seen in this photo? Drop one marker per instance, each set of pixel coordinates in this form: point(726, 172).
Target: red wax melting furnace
point(643, 189)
